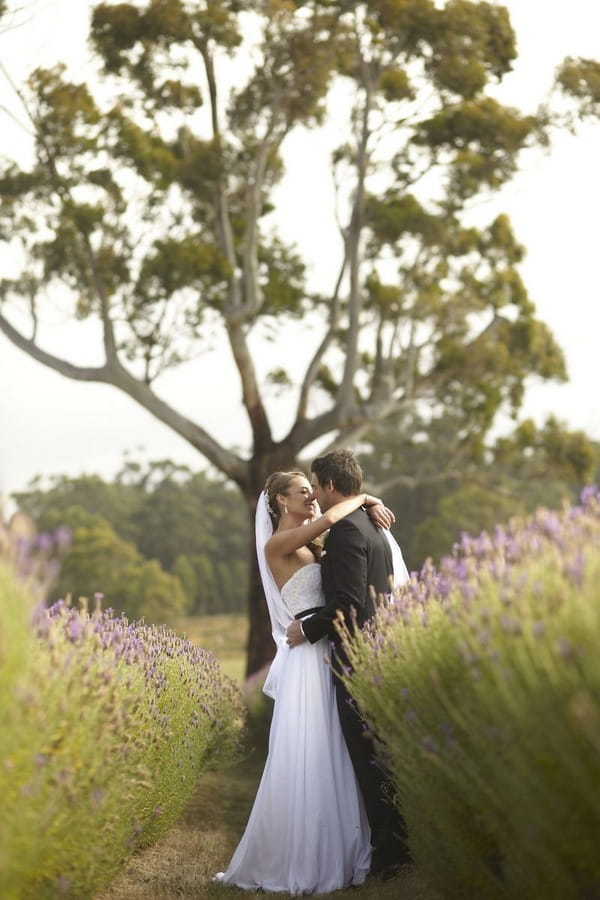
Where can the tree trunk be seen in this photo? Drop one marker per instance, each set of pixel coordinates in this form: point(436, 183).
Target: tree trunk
point(260, 648)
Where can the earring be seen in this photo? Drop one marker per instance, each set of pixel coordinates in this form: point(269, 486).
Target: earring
point(285, 509)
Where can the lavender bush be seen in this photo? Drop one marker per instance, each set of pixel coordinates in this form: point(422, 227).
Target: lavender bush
point(482, 680)
point(105, 726)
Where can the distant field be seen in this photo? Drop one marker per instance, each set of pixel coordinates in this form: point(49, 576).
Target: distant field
point(224, 635)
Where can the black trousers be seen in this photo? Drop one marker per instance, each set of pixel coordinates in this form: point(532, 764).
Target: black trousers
point(388, 830)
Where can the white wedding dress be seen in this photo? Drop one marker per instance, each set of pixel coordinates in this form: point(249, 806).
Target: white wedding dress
point(307, 832)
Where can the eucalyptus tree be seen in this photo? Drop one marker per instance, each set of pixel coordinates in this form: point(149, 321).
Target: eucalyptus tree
point(150, 207)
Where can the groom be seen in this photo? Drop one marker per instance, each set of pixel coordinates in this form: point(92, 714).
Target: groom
point(356, 566)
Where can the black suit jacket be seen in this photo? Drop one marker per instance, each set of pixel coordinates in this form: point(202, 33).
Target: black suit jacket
point(357, 560)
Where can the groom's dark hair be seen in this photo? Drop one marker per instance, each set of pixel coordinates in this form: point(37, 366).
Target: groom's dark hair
point(342, 469)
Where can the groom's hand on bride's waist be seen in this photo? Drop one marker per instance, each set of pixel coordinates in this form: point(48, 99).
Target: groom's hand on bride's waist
point(294, 634)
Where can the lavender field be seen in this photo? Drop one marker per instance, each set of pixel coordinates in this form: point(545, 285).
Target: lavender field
point(105, 728)
point(482, 679)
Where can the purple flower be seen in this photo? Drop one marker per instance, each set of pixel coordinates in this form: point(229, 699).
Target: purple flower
point(75, 629)
point(63, 537)
point(44, 541)
point(575, 568)
point(564, 647)
point(589, 494)
point(96, 797)
point(539, 629)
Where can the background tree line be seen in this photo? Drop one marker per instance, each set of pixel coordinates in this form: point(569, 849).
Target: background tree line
point(149, 209)
point(161, 540)
point(158, 541)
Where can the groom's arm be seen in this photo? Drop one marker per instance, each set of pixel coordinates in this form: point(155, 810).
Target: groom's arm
point(347, 564)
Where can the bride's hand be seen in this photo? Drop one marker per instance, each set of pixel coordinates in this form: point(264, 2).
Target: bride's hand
point(316, 512)
point(381, 515)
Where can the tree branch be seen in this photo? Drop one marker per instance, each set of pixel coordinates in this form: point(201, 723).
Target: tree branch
point(221, 201)
point(230, 464)
point(253, 403)
point(69, 370)
point(305, 431)
point(346, 389)
point(315, 363)
point(114, 374)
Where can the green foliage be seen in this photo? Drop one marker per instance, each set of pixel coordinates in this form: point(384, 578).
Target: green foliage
point(513, 476)
point(483, 138)
point(99, 561)
point(282, 280)
point(184, 571)
point(104, 730)
point(178, 264)
point(44, 501)
point(157, 542)
point(473, 41)
point(549, 453)
point(469, 509)
point(395, 85)
point(482, 682)
point(580, 79)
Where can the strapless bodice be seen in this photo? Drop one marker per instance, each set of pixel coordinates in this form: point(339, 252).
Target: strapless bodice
point(303, 590)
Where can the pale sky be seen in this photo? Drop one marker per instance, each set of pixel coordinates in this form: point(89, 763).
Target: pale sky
point(51, 425)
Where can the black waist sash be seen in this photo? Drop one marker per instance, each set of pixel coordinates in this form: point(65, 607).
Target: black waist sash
point(308, 612)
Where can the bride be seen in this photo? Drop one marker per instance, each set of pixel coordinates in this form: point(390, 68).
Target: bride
point(307, 831)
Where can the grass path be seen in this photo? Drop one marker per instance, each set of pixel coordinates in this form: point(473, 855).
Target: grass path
point(182, 863)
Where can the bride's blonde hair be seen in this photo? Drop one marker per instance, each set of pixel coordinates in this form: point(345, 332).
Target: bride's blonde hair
point(278, 483)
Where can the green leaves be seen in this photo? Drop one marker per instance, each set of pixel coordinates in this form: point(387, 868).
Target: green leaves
point(105, 727)
point(115, 29)
point(580, 80)
point(395, 85)
point(65, 115)
point(289, 85)
point(151, 156)
point(483, 139)
point(118, 29)
point(410, 22)
point(282, 280)
point(174, 265)
point(397, 214)
point(471, 42)
point(386, 298)
point(548, 452)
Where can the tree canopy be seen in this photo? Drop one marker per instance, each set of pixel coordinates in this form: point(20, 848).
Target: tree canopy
point(150, 210)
